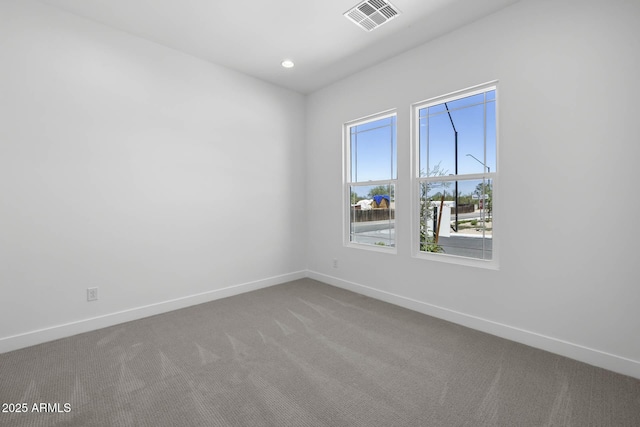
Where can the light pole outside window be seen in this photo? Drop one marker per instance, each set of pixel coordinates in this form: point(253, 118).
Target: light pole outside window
point(488, 171)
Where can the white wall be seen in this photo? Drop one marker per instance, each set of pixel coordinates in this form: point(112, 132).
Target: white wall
point(568, 114)
point(143, 171)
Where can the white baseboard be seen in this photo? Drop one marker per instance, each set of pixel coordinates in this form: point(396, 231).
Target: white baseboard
point(39, 336)
point(588, 355)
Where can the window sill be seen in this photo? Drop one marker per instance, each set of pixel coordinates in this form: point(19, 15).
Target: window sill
point(373, 248)
point(491, 264)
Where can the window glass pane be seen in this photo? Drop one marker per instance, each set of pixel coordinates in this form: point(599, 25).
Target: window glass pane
point(372, 214)
point(387, 121)
point(491, 137)
point(470, 130)
point(475, 132)
point(422, 135)
point(354, 149)
point(373, 150)
point(466, 101)
point(470, 125)
point(459, 225)
point(441, 143)
point(440, 108)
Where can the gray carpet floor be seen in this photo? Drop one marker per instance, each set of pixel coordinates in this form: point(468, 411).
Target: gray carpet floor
point(305, 354)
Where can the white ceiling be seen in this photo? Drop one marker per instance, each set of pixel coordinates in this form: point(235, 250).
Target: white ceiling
point(254, 36)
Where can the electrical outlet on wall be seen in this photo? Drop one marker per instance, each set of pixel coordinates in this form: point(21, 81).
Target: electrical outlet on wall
point(335, 263)
point(92, 294)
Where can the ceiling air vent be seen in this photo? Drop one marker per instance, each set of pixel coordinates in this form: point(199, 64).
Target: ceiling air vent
point(370, 14)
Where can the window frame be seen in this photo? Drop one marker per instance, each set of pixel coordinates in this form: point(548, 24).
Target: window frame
point(417, 180)
point(348, 183)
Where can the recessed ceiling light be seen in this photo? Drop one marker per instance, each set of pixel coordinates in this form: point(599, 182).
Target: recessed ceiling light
point(287, 63)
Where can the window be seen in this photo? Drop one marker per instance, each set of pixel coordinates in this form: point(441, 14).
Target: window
point(456, 146)
point(370, 181)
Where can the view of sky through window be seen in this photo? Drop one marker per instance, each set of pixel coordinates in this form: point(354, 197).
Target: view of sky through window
point(473, 117)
